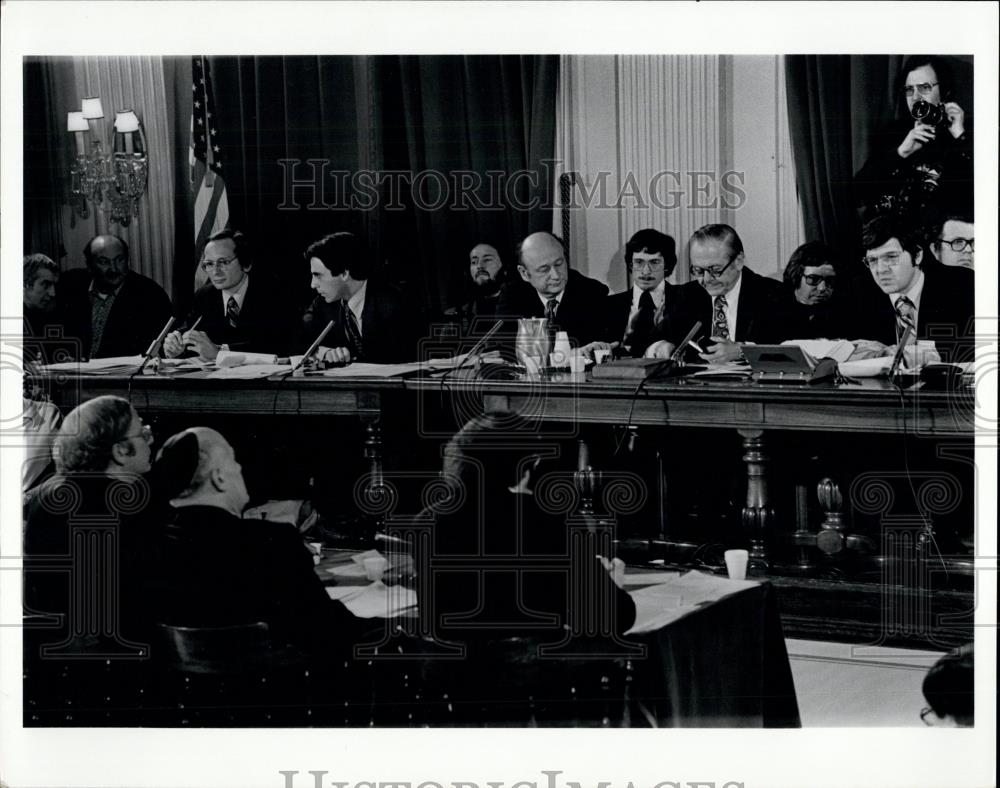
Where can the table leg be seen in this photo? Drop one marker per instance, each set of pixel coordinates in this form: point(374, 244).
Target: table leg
point(375, 489)
point(757, 514)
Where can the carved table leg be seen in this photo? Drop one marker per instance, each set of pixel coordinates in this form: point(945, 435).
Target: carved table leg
point(757, 514)
point(375, 490)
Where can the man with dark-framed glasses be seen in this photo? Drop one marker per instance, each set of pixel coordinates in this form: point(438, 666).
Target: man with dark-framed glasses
point(902, 290)
point(233, 310)
point(953, 239)
point(737, 304)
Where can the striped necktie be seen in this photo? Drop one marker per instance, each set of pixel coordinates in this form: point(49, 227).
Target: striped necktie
point(232, 312)
point(352, 331)
point(905, 313)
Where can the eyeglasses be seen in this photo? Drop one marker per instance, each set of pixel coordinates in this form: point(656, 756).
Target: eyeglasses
point(960, 244)
point(698, 273)
point(146, 433)
point(891, 259)
point(924, 89)
point(925, 712)
point(813, 280)
point(218, 265)
point(649, 265)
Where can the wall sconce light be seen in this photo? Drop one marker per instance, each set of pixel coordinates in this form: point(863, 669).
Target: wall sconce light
point(114, 182)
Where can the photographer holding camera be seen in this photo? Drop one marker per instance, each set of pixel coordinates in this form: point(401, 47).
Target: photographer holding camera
point(928, 155)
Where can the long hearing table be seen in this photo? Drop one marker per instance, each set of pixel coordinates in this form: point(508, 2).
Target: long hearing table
point(868, 406)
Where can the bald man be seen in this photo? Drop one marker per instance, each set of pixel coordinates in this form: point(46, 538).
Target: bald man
point(217, 569)
point(549, 288)
point(110, 308)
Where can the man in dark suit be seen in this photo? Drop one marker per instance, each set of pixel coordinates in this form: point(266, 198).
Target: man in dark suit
point(487, 275)
point(205, 550)
point(735, 305)
point(84, 561)
point(372, 321)
point(111, 309)
point(548, 288)
point(905, 287)
point(636, 317)
point(234, 310)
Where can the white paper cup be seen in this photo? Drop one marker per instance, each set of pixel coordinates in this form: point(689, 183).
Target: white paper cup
point(600, 356)
point(736, 564)
point(375, 567)
point(577, 364)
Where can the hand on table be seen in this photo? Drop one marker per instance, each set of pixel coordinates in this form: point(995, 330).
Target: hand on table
point(173, 344)
point(660, 349)
point(199, 342)
point(721, 351)
point(329, 356)
point(593, 347)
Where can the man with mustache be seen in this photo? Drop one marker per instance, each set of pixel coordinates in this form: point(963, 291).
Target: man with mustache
point(234, 310)
point(111, 309)
point(936, 300)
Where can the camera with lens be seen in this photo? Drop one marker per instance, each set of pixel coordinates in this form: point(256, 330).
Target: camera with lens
point(928, 114)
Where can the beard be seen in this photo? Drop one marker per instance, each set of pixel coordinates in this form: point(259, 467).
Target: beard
point(486, 288)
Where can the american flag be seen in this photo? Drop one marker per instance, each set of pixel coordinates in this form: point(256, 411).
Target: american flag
point(211, 207)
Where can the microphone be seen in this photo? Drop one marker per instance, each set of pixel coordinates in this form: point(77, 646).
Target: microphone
point(476, 348)
point(314, 345)
point(897, 359)
point(154, 348)
point(676, 357)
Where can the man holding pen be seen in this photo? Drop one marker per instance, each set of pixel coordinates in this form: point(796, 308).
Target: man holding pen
point(233, 311)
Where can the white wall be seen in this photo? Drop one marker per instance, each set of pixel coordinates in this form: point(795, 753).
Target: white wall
point(679, 137)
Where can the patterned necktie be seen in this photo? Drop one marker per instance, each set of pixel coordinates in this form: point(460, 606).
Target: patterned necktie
point(232, 312)
point(550, 309)
point(352, 331)
point(641, 332)
point(720, 325)
point(905, 313)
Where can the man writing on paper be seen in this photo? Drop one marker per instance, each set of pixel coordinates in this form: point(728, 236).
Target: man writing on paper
point(372, 320)
point(233, 310)
point(735, 304)
point(111, 309)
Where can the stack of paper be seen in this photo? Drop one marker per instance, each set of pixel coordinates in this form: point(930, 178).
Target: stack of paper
point(661, 604)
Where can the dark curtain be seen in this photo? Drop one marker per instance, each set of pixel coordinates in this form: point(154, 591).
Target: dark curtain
point(177, 77)
point(839, 109)
point(46, 159)
point(477, 135)
point(427, 119)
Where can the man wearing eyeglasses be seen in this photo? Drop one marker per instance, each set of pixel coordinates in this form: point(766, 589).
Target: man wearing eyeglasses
point(111, 309)
point(85, 549)
point(233, 310)
point(636, 317)
point(936, 300)
point(930, 149)
point(954, 240)
point(735, 305)
point(810, 308)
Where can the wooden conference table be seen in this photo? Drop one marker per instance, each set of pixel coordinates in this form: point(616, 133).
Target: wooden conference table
point(709, 653)
point(870, 406)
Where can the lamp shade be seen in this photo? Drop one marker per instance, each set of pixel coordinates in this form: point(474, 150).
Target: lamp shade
point(126, 121)
point(92, 108)
point(76, 122)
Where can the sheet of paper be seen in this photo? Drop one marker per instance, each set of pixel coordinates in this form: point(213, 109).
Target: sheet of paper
point(376, 600)
point(659, 605)
point(865, 368)
point(359, 370)
point(249, 371)
point(838, 349)
point(95, 364)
